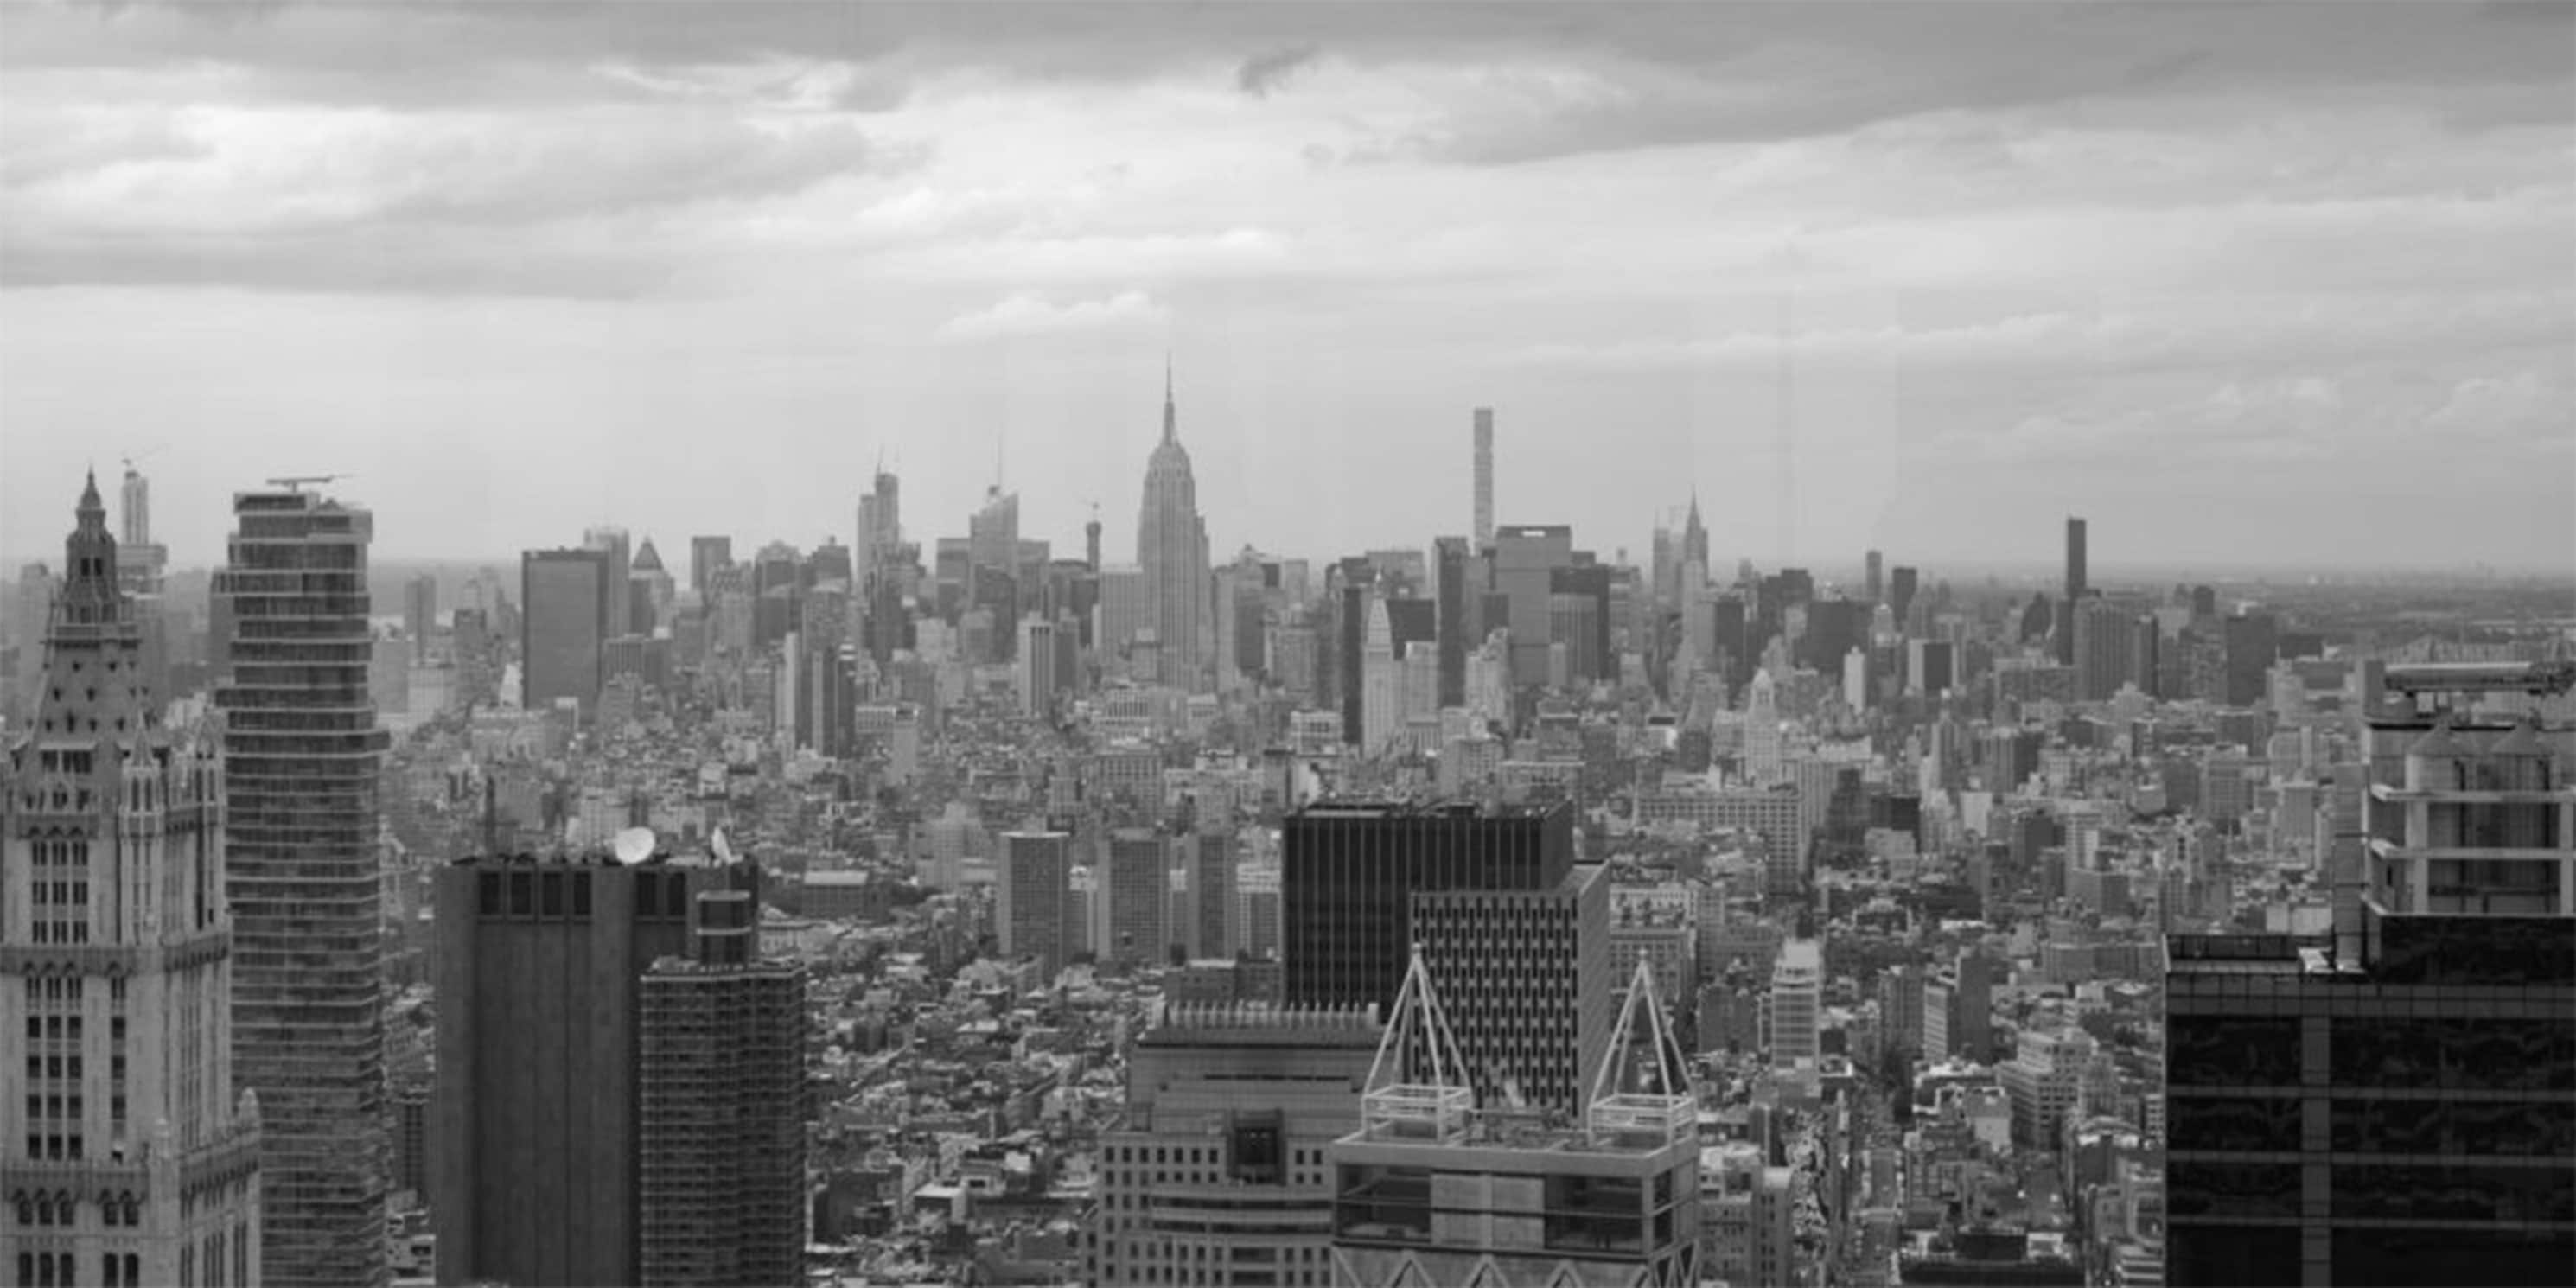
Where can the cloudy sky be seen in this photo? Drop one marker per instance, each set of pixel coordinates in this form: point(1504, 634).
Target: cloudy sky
point(2290, 284)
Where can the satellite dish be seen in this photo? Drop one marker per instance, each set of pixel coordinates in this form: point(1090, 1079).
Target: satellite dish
point(636, 844)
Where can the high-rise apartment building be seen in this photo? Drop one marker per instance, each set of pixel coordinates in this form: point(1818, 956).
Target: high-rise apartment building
point(1033, 666)
point(301, 753)
point(1033, 905)
point(420, 613)
point(2391, 1104)
point(1797, 1004)
point(534, 1151)
point(1139, 885)
point(722, 1102)
point(563, 596)
point(1216, 1173)
point(1484, 478)
point(125, 1154)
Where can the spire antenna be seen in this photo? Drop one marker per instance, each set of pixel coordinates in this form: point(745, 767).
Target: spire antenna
point(1171, 428)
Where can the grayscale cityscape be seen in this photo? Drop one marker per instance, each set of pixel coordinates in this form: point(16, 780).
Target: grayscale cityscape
point(1287, 645)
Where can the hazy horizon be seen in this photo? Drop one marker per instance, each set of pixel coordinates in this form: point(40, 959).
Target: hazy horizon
point(2232, 283)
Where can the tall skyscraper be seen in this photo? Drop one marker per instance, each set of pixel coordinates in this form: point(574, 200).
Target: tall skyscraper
point(1797, 1004)
point(2390, 1104)
point(1172, 548)
point(420, 613)
point(2076, 585)
point(112, 906)
point(1694, 536)
point(706, 554)
point(301, 751)
point(1901, 582)
point(534, 1155)
point(140, 565)
point(1871, 580)
point(1764, 763)
point(880, 527)
point(1455, 599)
point(1138, 883)
point(619, 547)
point(1034, 666)
point(1526, 560)
point(563, 597)
point(1484, 529)
point(722, 1105)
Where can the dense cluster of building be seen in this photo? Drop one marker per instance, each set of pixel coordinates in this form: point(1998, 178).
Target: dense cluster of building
point(951, 911)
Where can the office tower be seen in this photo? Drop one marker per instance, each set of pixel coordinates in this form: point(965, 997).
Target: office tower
point(1138, 883)
point(1172, 548)
point(2105, 640)
point(1214, 855)
point(1453, 596)
point(1901, 583)
point(1764, 761)
point(1694, 536)
point(1348, 873)
point(1871, 582)
point(1797, 1004)
point(2390, 1104)
point(420, 613)
point(2251, 643)
point(112, 909)
point(2076, 587)
point(301, 746)
point(1484, 518)
point(1579, 617)
point(706, 554)
point(1525, 560)
point(1034, 668)
point(1525, 973)
point(140, 563)
point(1243, 1101)
point(649, 591)
point(1032, 906)
point(563, 596)
point(722, 1108)
point(1834, 627)
point(615, 543)
point(534, 1155)
point(1380, 681)
point(880, 531)
point(993, 547)
point(1436, 1190)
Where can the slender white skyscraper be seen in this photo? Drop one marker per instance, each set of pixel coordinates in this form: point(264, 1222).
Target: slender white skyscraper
point(1172, 549)
point(1762, 759)
point(1484, 477)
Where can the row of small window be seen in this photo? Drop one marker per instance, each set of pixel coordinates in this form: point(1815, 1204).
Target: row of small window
point(54, 1147)
point(59, 1270)
point(1194, 1154)
point(60, 1210)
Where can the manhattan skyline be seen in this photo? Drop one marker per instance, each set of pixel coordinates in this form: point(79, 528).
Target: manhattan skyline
point(2204, 275)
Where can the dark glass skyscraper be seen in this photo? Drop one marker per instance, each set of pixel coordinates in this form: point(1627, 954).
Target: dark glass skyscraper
point(301, 753)
point(1348, 873)
point(2396, 1103)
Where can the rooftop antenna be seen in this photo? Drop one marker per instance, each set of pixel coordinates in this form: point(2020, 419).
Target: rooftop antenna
point(1787, 442)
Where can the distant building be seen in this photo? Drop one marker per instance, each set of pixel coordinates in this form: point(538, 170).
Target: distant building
point(1034, 910)
point(563, 604)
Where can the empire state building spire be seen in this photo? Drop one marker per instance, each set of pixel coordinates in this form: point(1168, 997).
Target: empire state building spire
point(1172, 551)
point(1171, 422)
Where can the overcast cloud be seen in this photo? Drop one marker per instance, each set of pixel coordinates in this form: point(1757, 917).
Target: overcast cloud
point(2224, 279)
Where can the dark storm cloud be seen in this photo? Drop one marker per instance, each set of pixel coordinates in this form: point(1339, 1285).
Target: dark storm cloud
point(1261, 74)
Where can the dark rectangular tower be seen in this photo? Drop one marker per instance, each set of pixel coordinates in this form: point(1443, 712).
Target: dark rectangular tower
point(533, 1153)
point(2076, 585)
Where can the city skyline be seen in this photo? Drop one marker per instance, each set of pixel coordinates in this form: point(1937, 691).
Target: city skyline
point(2045, 263)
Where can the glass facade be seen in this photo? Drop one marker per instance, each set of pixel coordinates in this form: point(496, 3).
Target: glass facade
point(301, 752)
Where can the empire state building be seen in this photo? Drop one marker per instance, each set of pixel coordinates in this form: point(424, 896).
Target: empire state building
point(1172, 550)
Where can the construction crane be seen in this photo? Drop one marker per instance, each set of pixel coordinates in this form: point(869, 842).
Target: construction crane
point(297, 482)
